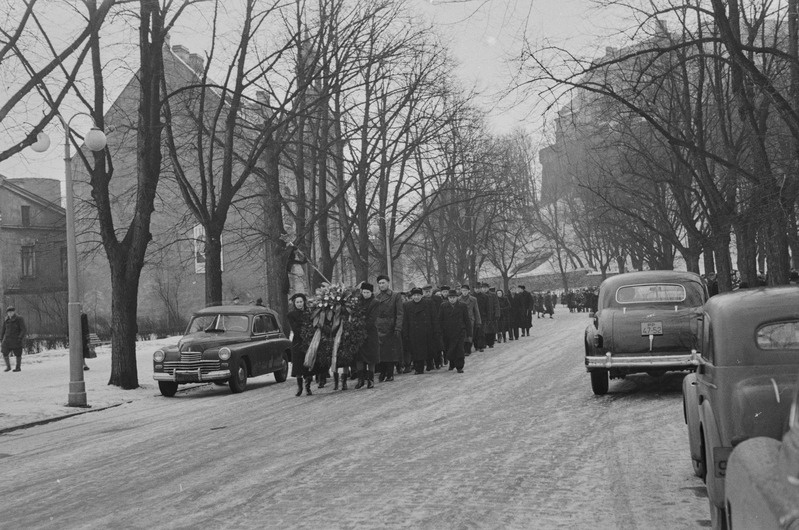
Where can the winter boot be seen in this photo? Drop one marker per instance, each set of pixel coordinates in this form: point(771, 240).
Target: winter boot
point(308, 381)
point(19, 362)
point(335, 380)
point(343, 381)
point(299, 386)
point(361, 380)
point(8, 363)
point(370, 379)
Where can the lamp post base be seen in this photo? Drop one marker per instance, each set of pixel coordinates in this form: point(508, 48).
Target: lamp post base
point(77, 394)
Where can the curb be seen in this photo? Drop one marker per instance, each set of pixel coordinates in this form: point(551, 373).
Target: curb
point(59, 418)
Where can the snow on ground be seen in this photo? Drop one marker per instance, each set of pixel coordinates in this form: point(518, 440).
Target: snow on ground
point(39, 392)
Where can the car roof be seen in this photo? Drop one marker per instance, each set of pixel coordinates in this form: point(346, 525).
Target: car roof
point(631, 278)
point(737, 315)
point(234, 309)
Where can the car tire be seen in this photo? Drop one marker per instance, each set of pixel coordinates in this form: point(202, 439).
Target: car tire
point(599, 382)
point(238, 378)
point(168, 388)
point(283, 373)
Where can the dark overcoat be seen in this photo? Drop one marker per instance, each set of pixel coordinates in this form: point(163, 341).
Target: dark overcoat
point(504, 313)
point(491, 318)
point(369, 352)
point(420, 332)
point(297, 319)
point(517, 310)
point(12, 333)
point(389, 326)
point(454, 321)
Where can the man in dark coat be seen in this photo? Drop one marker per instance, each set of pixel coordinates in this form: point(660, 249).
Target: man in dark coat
point(474, 317)
point(491, 318)
point(549, 303)
point(454, 322)
point(435, 301)
point(420, 334)
point(369, 353)
point(527, 306)
point(298, 317)
point(504, 326)
point(516, 313)
point(389, 327)
point(12, 335)
point(482, 306)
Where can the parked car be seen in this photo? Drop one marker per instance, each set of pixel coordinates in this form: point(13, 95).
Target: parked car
point(762, 483)
point(224, 344)
point(746, 373)
point(645, 322)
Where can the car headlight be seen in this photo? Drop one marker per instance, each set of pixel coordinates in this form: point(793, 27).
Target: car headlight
point(158, 356)
point(224, 354)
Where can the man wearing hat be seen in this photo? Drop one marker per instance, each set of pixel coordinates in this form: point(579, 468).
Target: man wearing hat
point(369, 353)
point(434, 299)
point(482, 307)
point(491, 317)
point(474, 317)
point(420, 334)
point(12, 333)
point(389, 327)
point(527, 308)
point(454, 323)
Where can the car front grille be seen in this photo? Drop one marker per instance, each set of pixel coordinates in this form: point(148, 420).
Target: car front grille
point(193, 361)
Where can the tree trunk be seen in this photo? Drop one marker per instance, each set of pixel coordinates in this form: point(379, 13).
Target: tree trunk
point(124, 304)
point(746, 245)
point(213, 267)
point(721, 249)
point(277, 255)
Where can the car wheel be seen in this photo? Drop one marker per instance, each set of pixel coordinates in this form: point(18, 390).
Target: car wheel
point(238, 378)
point(599, 382)
point(282, 374)
point(167, 388)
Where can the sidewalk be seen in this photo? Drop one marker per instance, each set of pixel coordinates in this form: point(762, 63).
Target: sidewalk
point(39, 392)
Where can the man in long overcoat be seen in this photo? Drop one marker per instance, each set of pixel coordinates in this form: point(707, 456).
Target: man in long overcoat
point(389, 327)
point(454, 321)
point(435, 300)
point(369, 353)
point(516, 312)
point(482, 307)
point(12, 335)
point(474, 317)
point(420, 333)
point(491, 317)
point(527, 307)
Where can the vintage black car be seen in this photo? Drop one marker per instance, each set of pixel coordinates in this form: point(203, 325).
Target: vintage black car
point(745, 378)
point(224, 344)
point(645, 322)
point(762, 484)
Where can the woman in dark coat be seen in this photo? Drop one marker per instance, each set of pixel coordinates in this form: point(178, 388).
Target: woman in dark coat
point(504, 317)
point(420, 335)
point(369, 353)
point(454, 321)
point(298, 317)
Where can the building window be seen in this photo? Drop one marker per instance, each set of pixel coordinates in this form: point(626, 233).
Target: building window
point(26, 215)
point(28, 262)
point(63, 262)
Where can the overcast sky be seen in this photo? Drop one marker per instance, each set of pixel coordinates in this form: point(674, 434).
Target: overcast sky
point(484, 36)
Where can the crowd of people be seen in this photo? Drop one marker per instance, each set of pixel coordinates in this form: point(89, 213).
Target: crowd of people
point(581, 300)
point(424, 329)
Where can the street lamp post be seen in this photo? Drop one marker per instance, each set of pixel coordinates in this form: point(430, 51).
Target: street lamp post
point(95, 140)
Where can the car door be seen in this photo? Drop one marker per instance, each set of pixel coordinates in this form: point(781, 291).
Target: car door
point(273, 342)
point(260, 357)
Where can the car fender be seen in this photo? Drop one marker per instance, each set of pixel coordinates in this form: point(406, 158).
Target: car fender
point(707, 421)
point(690, 405)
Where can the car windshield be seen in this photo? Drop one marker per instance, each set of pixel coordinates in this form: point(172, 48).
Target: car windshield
point(778, 336)
point(219, 323)
point(648, 293)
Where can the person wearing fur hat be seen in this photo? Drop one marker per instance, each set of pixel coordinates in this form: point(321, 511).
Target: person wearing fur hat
point(389, 327)
point(298, 317)
point(420, 335)
point(369, 353)
point(454, 323)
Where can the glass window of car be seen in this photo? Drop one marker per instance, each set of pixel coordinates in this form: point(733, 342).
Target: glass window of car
point(672, 293)
point(707, 339)
point(271, 323)
point(259, 325)
point(200, 323)
point(778, 336)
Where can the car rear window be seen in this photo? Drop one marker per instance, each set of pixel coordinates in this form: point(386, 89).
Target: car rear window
point(778, 336)
point(651, 292)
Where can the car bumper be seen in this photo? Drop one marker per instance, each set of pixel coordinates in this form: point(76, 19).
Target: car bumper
point(191, 376)
point(607, 361)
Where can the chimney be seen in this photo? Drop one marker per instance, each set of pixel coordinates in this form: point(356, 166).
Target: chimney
point(181, 51)
point(196, 62)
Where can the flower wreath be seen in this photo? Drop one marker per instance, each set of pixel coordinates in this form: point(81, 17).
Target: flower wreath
point(336, 328)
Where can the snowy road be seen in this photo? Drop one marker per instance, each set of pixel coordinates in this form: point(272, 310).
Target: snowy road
point(517, 441)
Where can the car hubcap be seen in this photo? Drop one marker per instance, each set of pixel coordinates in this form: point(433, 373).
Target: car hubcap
point(242, 374)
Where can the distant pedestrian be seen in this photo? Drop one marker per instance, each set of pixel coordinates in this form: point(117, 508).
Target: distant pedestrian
point(527, 307)
point(549, 303)
point(298, 317)
point(491, 317)
point(389, 327)
point(369, 353)
point(88, 349)
point(455, 324)
point(503, 328)
point(12, 335)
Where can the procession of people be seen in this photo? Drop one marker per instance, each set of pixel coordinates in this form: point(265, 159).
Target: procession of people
point(422, 330)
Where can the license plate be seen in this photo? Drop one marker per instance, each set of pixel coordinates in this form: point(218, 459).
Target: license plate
point(651, 328)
